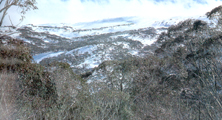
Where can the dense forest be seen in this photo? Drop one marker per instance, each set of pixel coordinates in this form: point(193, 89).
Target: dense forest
point(181, 79)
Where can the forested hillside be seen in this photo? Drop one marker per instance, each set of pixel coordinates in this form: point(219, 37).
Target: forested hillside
point(180, 78)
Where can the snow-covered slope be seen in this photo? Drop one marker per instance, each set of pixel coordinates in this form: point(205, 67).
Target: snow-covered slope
point(86, 45)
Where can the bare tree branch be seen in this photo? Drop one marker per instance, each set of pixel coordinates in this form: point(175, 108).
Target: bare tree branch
point(3, 16)
point(1, 1)
point(24, 5)
point(6, 7)
point(9, 4)
point(10, 20)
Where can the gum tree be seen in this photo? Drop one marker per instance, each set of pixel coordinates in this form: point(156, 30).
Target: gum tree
point(23, 5)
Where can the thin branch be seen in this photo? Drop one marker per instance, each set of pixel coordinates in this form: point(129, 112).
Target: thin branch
point(1, 1)
point(3, 16)
point(11, 21)
point(19, 23)
point(8, 6)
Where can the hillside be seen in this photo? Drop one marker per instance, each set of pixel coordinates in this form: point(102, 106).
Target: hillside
point(114, 69)
point(86, 45)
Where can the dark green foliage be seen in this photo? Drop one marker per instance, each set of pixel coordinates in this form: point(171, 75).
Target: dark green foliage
point(33, 79)
point(13, 54)
point(213, 11)
point(198, 23)
point(37, 82)
point(61, 67)
point(85, 75)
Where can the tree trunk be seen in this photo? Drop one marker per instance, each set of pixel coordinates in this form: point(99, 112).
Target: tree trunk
point(3, 16)
point(5, 9)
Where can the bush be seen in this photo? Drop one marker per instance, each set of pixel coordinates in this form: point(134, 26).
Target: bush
point(35, 87)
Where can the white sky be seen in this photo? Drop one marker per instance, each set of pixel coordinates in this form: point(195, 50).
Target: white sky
point(73, 11)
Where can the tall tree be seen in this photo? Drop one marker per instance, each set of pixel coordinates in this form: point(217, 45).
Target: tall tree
point(24, 5)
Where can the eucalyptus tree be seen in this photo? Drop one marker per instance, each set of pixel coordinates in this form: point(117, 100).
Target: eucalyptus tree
point(23, 5)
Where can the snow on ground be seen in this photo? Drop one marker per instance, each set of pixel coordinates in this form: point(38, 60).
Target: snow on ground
point(103, 26)
point(122, 35)
point(134, 52)
point(40, 57)
point(49, 41)
point(124, 44)
point(26, 40)
point(95, 28)
point(80, 32)
point(82, 50)
point(144, 41)
point(90, 62)
point(94, 61)
point(9, 31)
point(92, 28)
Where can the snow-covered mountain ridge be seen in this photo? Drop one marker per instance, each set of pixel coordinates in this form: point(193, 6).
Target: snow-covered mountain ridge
point(86, 45)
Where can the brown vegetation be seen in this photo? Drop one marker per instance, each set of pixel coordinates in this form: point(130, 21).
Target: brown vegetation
point(181, 80)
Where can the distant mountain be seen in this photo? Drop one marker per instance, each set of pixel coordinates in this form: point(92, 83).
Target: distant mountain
point(86, 45)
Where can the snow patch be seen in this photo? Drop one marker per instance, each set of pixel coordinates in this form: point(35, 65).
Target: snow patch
point(38, 58)
point(144, 41)
point(83, 50)
point(134, 52)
